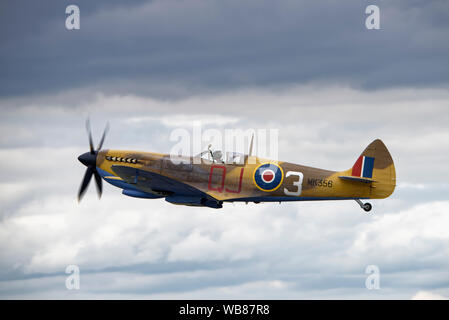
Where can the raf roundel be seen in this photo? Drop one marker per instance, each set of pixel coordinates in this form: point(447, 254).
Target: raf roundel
point(268, 176)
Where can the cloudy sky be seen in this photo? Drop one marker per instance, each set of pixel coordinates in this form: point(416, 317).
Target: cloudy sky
point(310, 69)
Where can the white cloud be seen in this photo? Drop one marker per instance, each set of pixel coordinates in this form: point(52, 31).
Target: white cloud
point(185, 120)
point(425, 221)
point(425, 295)
point(289, 250)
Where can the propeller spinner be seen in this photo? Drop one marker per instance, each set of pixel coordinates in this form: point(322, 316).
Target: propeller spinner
point(89, 159)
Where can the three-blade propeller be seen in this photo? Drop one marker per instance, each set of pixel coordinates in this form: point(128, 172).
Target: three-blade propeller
point(89, 159)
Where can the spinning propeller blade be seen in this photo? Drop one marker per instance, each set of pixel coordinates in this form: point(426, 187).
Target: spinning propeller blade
point(89, 159)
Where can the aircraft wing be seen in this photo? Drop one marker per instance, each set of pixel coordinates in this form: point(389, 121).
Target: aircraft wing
point(174, 191)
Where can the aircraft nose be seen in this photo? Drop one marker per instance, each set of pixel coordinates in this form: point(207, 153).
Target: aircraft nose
point(88, 159)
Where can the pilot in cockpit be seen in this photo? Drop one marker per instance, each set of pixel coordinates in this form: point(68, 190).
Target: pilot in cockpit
point(214, 156)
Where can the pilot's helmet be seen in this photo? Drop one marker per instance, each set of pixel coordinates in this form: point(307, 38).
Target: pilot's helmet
point(217, 155)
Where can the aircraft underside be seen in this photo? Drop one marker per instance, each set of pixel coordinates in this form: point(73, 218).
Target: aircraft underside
point(191, 196)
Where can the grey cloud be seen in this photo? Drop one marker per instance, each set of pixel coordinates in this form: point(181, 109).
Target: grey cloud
point(168, 48)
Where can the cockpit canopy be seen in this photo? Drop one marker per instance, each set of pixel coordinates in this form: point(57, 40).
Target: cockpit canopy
point(217, 157)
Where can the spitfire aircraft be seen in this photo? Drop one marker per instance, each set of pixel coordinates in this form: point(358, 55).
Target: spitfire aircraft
point(210, 180)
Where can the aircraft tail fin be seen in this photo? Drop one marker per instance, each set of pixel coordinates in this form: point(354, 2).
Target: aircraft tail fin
point(375, 165)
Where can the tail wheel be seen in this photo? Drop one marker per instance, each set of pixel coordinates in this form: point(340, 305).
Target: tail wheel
point(367, 207)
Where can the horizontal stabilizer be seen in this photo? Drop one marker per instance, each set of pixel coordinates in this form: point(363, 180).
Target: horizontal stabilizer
point(359, 179)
